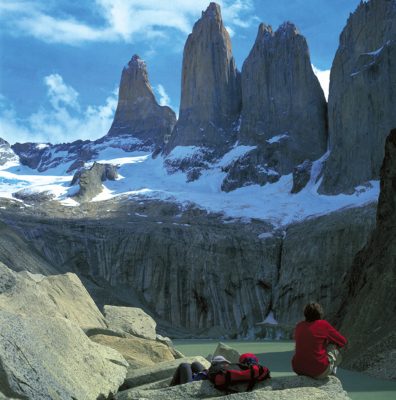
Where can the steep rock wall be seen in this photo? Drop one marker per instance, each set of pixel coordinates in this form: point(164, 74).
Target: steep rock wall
point(367, 314)
point(362, 97)
point(316, 256)
point(282, 96)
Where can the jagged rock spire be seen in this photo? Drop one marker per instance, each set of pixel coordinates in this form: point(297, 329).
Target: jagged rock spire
point(134, 81)
point(210, 96)
point(283, 108)
point(138, 114)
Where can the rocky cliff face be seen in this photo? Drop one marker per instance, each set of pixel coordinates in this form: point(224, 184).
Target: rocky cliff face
point(284, 110)
point(361, 98)
point(138, 114)
point(368, 309)
point(316, 256)
point(191, 276)
point(19, 254)
point(211, 94)
point(191, 271)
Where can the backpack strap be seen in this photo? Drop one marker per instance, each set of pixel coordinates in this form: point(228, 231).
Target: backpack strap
point(252, 379)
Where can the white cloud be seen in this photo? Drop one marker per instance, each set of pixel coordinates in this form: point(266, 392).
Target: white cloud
point(64, 119)
point(164, 99)
point(126, 20)
point(324, 79)
point(59, 93)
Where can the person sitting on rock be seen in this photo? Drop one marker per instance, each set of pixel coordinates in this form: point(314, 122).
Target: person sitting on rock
point(317, 351)
point(186, 373)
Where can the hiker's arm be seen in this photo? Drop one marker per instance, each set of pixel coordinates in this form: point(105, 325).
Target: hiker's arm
point(335, 337)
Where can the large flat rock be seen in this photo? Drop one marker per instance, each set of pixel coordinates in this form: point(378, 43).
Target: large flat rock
point(282, 388)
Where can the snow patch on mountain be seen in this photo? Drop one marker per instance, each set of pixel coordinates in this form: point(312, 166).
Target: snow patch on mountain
point(142, 176)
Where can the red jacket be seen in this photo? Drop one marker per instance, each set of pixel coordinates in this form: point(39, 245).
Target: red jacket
point(312, 339)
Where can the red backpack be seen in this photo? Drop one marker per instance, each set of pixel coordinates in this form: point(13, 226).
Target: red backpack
point(247, 370)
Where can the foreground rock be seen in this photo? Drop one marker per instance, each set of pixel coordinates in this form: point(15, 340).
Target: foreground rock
point(53, 296)
point(138, 352)
point(227, 352)
point(283, 388)
point(44, 352)
point(51, 358)
point(363, 77)
point(160, 372)
point(367, 313)
point(131, 320)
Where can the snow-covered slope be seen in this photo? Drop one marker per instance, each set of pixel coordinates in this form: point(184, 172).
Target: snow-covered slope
point(142, 175)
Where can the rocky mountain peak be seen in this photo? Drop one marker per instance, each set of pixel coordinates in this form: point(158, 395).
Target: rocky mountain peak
point(6, 152)
point(3, 142)
point(283, 108)
point(264, 32)
point(212, 12)
point(134, 81)
point(137, 62)
point(138, 114)
point(287, 30)
point(210, 95)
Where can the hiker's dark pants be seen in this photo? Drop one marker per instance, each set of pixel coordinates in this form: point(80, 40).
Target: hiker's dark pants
point(184, 373)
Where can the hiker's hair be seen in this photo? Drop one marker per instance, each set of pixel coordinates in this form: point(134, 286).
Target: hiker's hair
point(313, 311)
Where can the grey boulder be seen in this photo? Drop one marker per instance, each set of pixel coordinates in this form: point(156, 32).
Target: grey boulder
point(48, 296)
point(131, 320)
point(52, 359)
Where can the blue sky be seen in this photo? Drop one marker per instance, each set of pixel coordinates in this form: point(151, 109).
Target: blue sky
point(61, 61)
